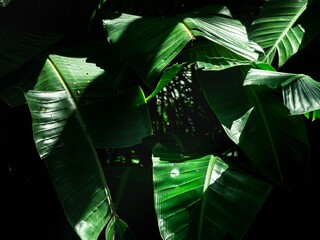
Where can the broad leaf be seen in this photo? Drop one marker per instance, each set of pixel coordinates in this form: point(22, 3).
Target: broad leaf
point(75, 109)
point(274, 29)
point(301, 94)
point(274, 141)
point(72, 162)
point(90, 72)
point(226, 32)
point(157, 41)
point(18, 46)
point(209, 56)
point(203, 198)
point(160, 40)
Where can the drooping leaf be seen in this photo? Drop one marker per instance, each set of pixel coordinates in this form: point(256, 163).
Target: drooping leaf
point(209, 56)
point(273, 140)
point(275, 31)
point(301, 94)
point(203, 198)
point(226, 32)
point(157, 40)
point(160, 40)
point(90, 72)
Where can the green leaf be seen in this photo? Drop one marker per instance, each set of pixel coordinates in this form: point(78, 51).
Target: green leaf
point(4, 3)
point(160, 40)
point(117, 229)
point(209, 56)
point(121, 121)
point(90, 72)
point(204, 198)
point(300, 93)
point(274, 29)
point(18, 46)
point(157, 40)
point(72, 162)
point(275, 142)
point(226, 32)
point(237, 127)
point(166, 77)
point(75, 109)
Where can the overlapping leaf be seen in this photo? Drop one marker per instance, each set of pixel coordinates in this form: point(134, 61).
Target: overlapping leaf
point(203, 198)
point(75, 108)
point(90, 72)
point(266, 129)
point(160, 40)
point(157, 41)
point(275, 31)
point(62, 142)
point(301, 94)
point(18, 46)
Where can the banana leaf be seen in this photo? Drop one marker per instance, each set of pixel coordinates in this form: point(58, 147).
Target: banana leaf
point(89, 71)
point(160, 40)
point(18, 46)
point(75, 109)
point(71, 160)
point(276, 29)
point(260, 124)
point(300, 92)
point(202, 197)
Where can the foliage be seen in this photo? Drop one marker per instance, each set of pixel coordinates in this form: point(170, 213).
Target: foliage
point(199, 89)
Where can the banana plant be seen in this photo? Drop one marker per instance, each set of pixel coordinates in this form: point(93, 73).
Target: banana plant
point(91, 89)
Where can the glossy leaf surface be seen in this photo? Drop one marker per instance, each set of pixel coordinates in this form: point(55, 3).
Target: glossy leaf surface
point(73, 165)
point(89, 71)
point(300, 93)
point(203, 198)
point(275, 31)
point(160, 40)
point(268, 126)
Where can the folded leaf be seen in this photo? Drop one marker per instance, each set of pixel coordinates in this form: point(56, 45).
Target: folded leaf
point(301, 94)
point(274, 141)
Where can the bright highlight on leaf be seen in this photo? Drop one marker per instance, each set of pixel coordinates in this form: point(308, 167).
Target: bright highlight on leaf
point(301, 93)
point(237, 127)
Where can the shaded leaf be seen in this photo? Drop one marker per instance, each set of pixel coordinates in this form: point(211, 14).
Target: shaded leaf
point(274, 141)
point(117, 229)
point(18, 46)
point(89, 71)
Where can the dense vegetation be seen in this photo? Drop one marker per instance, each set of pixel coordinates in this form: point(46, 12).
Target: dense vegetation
point(159, 119)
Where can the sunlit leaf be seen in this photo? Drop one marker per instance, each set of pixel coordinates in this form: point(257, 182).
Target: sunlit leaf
point(157, 40)
point(204, 198)
point(275, 31)
point(301, 94)
point(73, 165)
point(273, 140)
